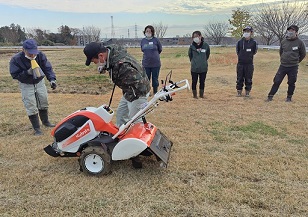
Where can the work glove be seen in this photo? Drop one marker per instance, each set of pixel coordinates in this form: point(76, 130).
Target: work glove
point(53, 84)
point(30, 71)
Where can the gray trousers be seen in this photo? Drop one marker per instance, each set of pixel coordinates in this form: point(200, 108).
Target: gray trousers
point(126, 110)
point(34, 97)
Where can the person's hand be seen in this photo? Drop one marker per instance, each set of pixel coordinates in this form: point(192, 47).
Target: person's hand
point(30, 71)
point(53, 84)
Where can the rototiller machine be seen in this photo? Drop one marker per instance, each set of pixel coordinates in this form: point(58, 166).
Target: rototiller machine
point(90, 134)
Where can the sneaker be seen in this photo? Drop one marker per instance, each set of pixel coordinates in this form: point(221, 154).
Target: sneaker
point(239, 93)
point(288, 99)
point(247, 93)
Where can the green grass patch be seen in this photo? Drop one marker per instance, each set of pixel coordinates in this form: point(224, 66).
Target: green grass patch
point(181, 55)
point(297, 141)
point(258, 128)
point(255, 130)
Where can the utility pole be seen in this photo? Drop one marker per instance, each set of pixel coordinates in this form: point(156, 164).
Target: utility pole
point(136, 31)
point(112, 28)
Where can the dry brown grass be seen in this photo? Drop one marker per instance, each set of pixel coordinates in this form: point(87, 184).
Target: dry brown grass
point(231, 156)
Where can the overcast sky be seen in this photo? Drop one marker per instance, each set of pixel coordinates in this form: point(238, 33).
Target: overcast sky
point(181, 16)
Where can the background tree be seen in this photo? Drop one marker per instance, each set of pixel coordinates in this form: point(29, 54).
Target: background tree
point(240, 19)
point(8, 35)
point(54, 37)
point(93, 33)
point(187, 35)
point(12, 34)
point(267, 37)
point(216, 31)
point(277, 19)
point(66, 37)
point(38, 34)
point(160, 29)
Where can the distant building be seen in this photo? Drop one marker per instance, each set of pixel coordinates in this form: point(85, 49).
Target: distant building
point(83, 40)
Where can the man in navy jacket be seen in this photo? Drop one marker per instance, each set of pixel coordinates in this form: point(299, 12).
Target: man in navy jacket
point(30, 67)
point(246, 48)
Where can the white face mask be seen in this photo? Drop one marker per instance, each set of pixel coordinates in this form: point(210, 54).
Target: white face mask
point(196, 40)
point(148, 35)
point(30, 58)
point(101, 67)
point(290, 34)
point(246, 34)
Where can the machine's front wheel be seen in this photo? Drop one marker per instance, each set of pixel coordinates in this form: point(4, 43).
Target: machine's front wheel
point(94, 160)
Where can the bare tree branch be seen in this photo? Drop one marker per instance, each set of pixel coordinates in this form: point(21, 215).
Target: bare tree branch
point(93, 33)
point(216, 31)
point(36, 33)
point(276, 19)
point(160, 29)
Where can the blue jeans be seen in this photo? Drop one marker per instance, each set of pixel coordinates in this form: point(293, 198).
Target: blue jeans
point(154, 72)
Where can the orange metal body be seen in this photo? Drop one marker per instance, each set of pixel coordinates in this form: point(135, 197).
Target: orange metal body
point(145, 132)
point(98, 122)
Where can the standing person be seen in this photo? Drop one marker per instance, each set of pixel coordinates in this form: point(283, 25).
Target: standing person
point(198, 53)
point(246, 48)
point(127, 74)
point(29, 67)
point(151, 48)
point(292, 51)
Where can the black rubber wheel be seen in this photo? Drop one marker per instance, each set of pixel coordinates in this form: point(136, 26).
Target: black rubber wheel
point(94, 160)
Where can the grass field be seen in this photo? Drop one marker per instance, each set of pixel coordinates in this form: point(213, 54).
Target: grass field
point(232, 156)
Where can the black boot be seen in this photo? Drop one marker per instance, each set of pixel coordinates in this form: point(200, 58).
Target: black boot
point(201, 93)
point(195, 94)
point(154, 90)
point(269, 98)
point(34, 119)
point(289, 98)
point(137, 164)
point(44, 118)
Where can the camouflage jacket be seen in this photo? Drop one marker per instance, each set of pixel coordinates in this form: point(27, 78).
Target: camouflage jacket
point(127, 73)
